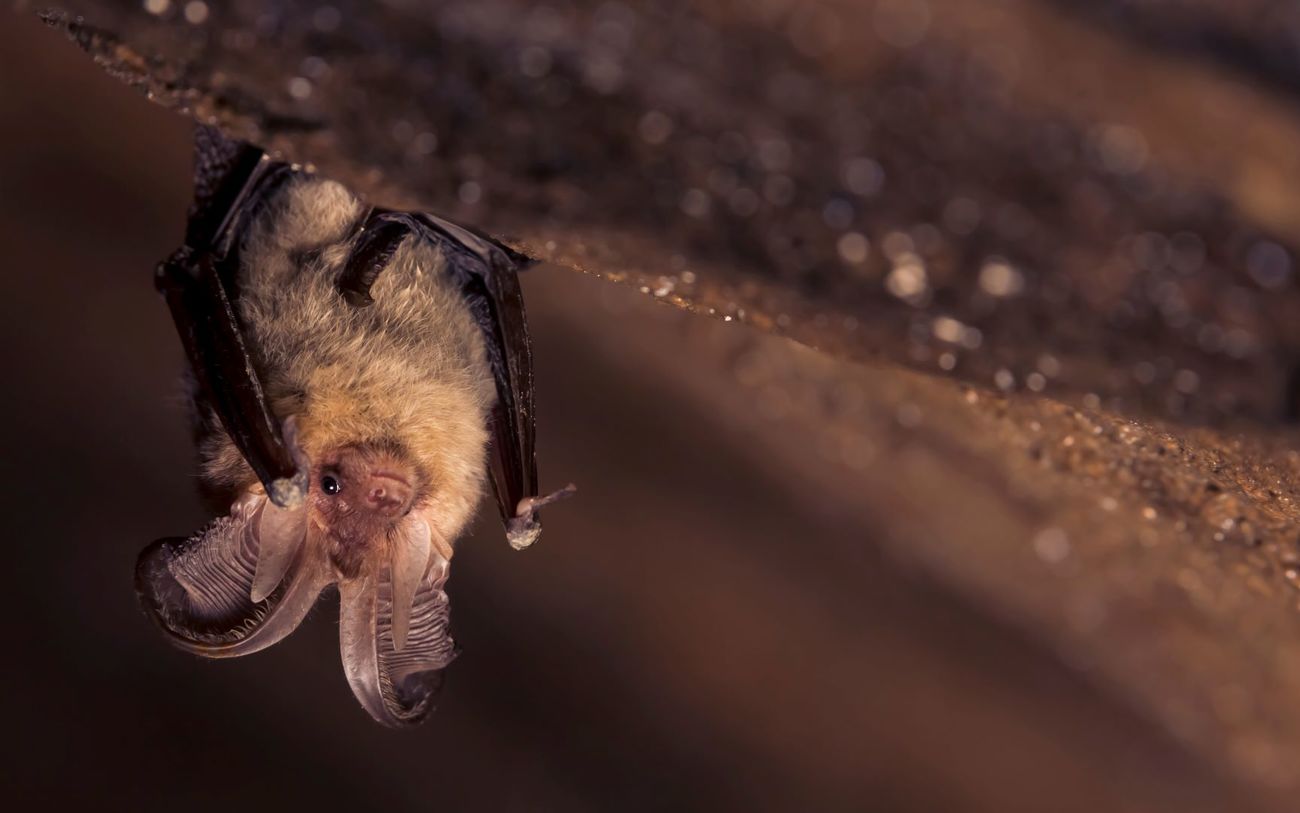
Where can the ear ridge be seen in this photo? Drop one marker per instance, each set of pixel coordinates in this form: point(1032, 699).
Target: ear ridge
point(199, 590)
point(396, 686)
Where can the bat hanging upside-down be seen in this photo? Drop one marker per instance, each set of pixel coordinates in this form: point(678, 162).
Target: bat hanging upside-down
point(357, 373)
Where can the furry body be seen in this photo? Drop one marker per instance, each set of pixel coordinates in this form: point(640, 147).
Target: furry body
point(407, 374)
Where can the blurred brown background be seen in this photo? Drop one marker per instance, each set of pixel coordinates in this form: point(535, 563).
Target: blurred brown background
point(703, 628)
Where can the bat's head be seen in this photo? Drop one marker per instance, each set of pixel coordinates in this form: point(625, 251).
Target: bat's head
point(359, 496)
point(249, 578)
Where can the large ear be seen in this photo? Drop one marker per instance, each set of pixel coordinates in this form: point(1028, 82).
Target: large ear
point(393, 630)
point(239, 585)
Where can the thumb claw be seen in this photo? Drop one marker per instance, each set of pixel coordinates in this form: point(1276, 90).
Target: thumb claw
point(529, 505)
point(524, 528)
point(290, 492)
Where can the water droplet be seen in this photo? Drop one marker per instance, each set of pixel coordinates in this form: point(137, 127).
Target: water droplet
point(425, 143)
point(1186, 381)
point(696, 203)
point(470, 193)
point(947, 329)
point(1269, 265)
point(909, 415)
point(853, 248)
point(603, 72)
point(999, 278)
point(907, 280)
point(314, 67)
point(196, 12)
point(1120, 149)
point(1052, 545)
point(863, 177)
point(896, 244)
point(299, 87)
point(655, 127)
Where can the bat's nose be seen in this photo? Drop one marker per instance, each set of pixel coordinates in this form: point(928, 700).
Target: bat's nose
point(388, 494)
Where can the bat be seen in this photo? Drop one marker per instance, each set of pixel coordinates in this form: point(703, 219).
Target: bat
point(357, 375)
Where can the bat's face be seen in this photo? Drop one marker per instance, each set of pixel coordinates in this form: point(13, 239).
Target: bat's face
point(358, 497)
point(249, 578)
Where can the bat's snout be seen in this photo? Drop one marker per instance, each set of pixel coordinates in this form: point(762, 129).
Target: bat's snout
point(387, 494)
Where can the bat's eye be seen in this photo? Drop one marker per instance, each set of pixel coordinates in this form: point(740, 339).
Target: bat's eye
point(329, 485)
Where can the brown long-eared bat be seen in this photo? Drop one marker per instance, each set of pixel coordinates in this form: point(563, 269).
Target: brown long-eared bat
point(358, 375)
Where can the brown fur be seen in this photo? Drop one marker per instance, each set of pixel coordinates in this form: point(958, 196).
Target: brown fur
point(408, 372)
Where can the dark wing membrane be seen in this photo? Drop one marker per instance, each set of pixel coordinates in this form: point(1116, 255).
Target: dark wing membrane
point(488, 273)
point(397, 687)
point(222, 169)
point(233, 182)
point(223, 368)
point(199, 590)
